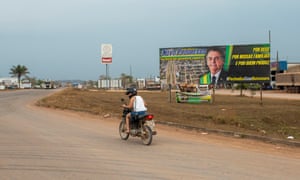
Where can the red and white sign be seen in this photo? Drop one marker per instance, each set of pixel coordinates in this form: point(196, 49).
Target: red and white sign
point(106, 53)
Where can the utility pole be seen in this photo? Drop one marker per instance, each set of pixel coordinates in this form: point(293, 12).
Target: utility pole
point(270, 37)
point(277, 63)
point(130, 71)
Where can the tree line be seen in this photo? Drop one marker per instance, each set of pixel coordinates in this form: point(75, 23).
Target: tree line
point(20, 71)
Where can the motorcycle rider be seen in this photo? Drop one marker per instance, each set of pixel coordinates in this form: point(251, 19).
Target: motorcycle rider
point(136, 104)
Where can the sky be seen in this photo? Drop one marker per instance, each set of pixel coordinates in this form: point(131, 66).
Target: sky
point(61, 39)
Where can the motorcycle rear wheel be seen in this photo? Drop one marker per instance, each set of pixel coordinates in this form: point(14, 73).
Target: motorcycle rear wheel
point(146, 135)
point(122, 131)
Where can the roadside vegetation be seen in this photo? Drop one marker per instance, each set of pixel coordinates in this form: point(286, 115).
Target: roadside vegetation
point(275, 118)
point(19, 71)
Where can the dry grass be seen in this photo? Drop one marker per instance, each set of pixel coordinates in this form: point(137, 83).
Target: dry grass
point(275, 118)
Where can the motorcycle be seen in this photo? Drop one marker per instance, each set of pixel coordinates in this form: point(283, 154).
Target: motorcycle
point(142, 126)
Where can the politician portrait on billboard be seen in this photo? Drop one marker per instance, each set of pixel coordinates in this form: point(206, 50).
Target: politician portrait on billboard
point(215, 61)
point(215, 65)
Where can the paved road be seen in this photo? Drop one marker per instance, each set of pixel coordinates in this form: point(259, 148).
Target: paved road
point(38, 143)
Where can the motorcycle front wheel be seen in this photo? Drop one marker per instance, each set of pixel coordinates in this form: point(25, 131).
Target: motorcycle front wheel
point(122, 131)
point(146, 135)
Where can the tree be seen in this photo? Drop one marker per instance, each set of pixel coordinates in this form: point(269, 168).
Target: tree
point(126, 79)
point(19, 71)
point(103, 77)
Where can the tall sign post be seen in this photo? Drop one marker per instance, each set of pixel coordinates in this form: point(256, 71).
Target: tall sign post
point(106, 58)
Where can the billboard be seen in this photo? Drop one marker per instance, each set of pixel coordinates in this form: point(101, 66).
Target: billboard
point(106, 53)
point(215, 64)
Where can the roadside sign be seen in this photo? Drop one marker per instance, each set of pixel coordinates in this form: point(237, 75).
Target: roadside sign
point(106, 53)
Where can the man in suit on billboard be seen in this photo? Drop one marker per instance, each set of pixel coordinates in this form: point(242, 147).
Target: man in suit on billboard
point(214, 58)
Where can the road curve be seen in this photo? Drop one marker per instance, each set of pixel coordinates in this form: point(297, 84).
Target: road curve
point(39, 143)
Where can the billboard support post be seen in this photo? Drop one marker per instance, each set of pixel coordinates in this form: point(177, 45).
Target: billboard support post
point(261, 103)
point(106, 54)
point(170, 93)
point(213, 94)
point(241, 90)
point(107, 80)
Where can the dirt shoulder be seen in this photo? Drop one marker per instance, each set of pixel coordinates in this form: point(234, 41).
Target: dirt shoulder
point(236, 118)
point(182, 133)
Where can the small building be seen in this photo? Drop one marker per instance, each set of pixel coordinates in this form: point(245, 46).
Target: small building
point(110, 84)
point(9, 82)
point(26, 84)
